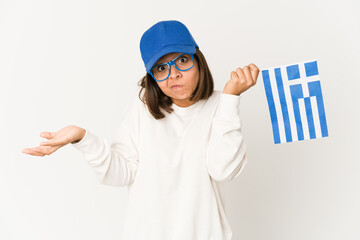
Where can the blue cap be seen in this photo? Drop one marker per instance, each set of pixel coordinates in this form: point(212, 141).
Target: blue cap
point(165, 37)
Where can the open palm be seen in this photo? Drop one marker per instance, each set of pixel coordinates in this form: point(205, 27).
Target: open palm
point(66, 135)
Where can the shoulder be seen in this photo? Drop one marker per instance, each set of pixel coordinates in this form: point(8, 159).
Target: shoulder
point(217, 93)
point(215, 97)
point(212, 101)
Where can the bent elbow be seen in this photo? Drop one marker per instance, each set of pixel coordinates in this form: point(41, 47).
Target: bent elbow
point(115, 182)
point(226, 174)
point(119, 173)
point(219, 176)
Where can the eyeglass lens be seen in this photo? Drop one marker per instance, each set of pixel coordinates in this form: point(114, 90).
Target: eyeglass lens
point(183, 62)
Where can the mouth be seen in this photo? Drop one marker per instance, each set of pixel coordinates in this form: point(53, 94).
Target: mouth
point(176, 87)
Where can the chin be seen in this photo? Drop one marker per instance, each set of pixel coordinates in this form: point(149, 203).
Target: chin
point(181, 95)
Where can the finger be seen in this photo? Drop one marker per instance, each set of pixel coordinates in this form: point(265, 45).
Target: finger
point(254, 71)
point(247, 73)
point(47, 150)
point(59, 141)
point(233, 76)
point(241, 75)
point(33, 151)
point(47, 135)
point(48, 143)
point(42, 149)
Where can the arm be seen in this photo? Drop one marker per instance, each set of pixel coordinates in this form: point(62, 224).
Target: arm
point(226, 152)
point(115, 164)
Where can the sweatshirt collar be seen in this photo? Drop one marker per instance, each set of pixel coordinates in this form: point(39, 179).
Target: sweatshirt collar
point(186, 111)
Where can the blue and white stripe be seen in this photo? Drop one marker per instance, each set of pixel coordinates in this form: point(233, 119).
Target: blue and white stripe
point(295, 102)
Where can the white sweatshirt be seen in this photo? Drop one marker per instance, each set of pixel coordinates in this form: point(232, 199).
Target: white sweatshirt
point(174, 168)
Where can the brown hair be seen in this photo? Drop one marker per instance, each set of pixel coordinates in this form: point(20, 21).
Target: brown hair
point(155, 99)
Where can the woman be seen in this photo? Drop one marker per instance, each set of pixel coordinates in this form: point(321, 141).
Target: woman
point(178, 142)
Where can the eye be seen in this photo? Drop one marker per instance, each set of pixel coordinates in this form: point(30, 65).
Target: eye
point(160, 68)
point(183, 59)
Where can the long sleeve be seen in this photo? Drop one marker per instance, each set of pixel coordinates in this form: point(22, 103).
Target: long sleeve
point(115, 164)
point(226, 152)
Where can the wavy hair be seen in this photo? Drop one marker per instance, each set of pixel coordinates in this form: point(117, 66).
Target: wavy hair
point(156, 100)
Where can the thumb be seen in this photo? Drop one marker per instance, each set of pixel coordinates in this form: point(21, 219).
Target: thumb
point(228, 86)
point(47, 135)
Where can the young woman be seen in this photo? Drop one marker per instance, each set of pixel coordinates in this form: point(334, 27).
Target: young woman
point(178, 142)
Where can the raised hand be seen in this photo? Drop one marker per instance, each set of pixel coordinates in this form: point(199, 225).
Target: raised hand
point(242, 79)
point(66, 135)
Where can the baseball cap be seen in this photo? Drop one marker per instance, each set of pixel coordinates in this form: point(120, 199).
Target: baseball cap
point(165, 37)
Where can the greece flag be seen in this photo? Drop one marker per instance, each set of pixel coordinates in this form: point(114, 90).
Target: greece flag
point(295, 102)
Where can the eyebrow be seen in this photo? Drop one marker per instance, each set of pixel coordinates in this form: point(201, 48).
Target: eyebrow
point(162, 61)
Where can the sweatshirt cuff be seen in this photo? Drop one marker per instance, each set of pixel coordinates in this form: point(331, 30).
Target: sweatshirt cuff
point(228, 107)
point(85, 141)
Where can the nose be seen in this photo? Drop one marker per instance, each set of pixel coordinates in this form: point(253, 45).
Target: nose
point(174, 72)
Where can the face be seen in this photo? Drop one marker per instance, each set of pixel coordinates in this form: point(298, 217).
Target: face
point(187, 80)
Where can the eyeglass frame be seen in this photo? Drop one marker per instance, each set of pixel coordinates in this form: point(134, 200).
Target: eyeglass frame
point(172, 62)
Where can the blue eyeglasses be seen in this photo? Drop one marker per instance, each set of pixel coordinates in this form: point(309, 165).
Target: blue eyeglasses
point(162, 71)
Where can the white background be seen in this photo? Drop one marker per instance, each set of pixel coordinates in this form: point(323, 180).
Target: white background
point(77, 62)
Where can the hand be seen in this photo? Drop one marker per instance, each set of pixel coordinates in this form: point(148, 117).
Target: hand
point(242, 79)
point(69, 134)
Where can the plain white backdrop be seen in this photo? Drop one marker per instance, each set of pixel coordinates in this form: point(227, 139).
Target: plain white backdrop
point(77, 62)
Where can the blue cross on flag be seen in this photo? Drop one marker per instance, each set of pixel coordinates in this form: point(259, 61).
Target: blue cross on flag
point(295, 102)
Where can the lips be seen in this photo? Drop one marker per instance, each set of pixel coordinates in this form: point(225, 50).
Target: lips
point(175, 86)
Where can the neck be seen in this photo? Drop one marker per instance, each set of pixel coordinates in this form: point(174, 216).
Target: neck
point(182, 102)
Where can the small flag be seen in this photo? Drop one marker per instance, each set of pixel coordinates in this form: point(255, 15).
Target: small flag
point(295, 102)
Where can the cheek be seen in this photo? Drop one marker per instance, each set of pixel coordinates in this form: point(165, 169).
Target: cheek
point(195, 76)
point(163, 86)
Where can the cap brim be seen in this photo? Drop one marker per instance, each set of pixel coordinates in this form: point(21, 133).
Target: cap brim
point(169, 49)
